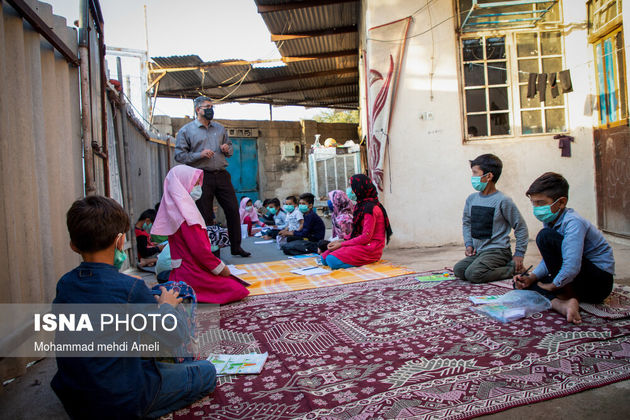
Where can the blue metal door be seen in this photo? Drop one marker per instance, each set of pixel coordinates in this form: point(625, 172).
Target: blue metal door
point(243, 168)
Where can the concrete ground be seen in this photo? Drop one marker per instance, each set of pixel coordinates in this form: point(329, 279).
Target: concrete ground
point(30, 396)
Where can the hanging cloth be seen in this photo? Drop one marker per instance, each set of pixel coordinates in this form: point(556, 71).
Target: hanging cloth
point(553, 83)
point(531, 85)
point(565, 81)
point(542, 86)
point(564, 143)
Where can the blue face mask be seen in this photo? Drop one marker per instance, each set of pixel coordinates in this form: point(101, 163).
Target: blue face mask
point(289, 208)
point(351, 195)
point(271, 210)
point(477, 184)
point(248, 208)
point(147, 227)
point(196, 192)
point(303, 208)
point(330, 206)
point(544, 213)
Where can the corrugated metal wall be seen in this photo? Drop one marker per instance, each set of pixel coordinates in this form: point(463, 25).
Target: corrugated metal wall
point(40, 158)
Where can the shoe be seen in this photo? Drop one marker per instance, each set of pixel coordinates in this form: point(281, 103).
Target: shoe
point(241, 252)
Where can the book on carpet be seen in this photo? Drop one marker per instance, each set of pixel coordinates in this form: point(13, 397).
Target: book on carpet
point(513, 305)
point(310, 271)
point(235, 364)
point(299, 257)
point(477, 300)
point(440, 276)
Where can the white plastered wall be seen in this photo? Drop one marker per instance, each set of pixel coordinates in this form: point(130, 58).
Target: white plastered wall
point(430, 173)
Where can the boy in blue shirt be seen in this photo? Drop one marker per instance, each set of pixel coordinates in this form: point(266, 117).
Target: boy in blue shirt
point(578, 264)
point(489, 216)
point(304, 241)
point(118, 387)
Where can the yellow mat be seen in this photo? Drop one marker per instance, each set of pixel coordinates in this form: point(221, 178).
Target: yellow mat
point(276, 276)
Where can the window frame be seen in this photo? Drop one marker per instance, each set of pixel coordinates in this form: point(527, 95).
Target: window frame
point(621, 119)
point(513, 82)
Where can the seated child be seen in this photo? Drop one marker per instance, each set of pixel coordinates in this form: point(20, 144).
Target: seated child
point(279, 219)
point(341, 215)
point(157, 239)
point(192, 260)
point(118, 387)
point(295, 219)
point(489, 216)
point(163, 265)
point(249, 215)
point(304, 241)
point(578, 264)
point(264, 214)
point(147, 250)
point(370, 232)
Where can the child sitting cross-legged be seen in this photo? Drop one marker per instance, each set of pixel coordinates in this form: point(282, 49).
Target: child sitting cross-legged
point(147, 250)
point(489, 216)
point(279, 219)
point(118, 387)
point(578, 264)
point(304, 241)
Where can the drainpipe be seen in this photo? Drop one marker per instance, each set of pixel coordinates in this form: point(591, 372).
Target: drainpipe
point(86, 123)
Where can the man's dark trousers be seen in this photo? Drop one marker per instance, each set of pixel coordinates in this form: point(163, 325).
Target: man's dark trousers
point(219, 184)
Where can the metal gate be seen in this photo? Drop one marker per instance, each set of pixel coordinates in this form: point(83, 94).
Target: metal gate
point(243, 168)
point(612, 171)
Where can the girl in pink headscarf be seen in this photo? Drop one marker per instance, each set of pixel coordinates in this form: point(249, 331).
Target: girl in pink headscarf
point(249, 215)
point(192, 260)
point(341, 217)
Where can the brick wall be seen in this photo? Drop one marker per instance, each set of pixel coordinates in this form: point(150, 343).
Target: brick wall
point(280, 176)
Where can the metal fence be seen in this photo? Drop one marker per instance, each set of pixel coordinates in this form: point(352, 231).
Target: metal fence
point(40, 157)
point(51, 138)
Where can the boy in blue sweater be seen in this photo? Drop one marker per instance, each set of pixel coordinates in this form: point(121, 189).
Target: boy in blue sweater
point(304, 241)
point(118, 387)
point(578, 264)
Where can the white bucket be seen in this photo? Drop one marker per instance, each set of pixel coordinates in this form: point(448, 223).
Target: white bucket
point(243, 231)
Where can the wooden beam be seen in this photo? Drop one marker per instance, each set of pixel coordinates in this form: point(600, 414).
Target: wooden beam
point(313, 34)
point(336, 72)
point(280, 92)
point(269, 8)
point(40, 26)
point(333, 54)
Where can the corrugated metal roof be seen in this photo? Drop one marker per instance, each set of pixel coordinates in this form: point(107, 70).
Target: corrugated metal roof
point(327, 81)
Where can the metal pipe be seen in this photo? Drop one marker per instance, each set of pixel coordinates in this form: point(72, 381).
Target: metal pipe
point(104, 142)
point(86, 123)
point(127, 171)
point(168, 153)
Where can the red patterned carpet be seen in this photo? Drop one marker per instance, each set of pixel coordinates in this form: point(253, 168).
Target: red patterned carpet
point(397, 348)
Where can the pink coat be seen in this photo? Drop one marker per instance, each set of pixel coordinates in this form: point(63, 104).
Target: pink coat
point(191, 245)
point(366, 248)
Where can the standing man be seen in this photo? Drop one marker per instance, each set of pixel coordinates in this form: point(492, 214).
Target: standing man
point(204, 144)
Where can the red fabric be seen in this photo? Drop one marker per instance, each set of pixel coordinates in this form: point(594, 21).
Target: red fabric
point(368, 246)
point(192, 246)
point(248, 221)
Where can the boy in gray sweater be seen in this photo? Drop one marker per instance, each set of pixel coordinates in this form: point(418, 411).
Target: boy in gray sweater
point(489, 215)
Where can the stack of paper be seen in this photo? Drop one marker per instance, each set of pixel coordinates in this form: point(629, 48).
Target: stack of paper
point(236, 271)
point(310, 271)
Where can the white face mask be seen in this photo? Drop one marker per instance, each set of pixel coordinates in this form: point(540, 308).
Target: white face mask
point(196, 192)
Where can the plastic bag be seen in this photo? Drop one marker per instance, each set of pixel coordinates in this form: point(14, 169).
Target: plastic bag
point(513, 305)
